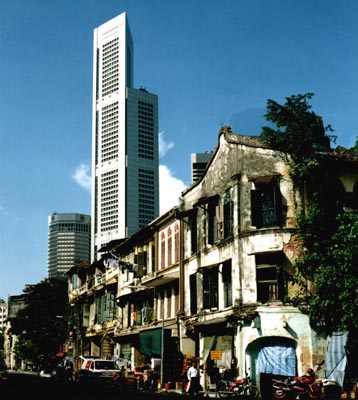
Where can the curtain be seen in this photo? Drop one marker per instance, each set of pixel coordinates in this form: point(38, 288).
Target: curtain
point(336, 358)
point(150, 342)
point(277, 360)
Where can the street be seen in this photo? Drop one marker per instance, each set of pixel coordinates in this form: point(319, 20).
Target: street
point(22, 385)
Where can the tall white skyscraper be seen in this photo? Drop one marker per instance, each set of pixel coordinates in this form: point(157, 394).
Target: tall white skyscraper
point(69, 242)
point(125, 166)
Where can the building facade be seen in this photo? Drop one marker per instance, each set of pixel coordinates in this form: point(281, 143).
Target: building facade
point(69, 242)
point(125, 168)
point(201, 281)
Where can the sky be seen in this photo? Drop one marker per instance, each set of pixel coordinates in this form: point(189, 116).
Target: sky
point(211, 63)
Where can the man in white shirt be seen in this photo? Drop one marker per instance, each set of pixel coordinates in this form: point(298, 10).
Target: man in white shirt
point(193, 375)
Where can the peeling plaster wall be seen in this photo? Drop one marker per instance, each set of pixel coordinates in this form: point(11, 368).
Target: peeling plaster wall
point(235, 162)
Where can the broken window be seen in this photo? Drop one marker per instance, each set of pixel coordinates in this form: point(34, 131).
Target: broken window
point(211, 212)
point(210, 287)
point(193, 230)
point(227, 283)
point(270, 282)
point(193, 294)
point(220, 218)
point(266, 202)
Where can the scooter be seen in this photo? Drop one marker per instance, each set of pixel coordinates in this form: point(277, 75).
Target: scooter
point(302, 386)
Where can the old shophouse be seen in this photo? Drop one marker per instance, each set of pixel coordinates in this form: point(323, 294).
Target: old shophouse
point(204, 280)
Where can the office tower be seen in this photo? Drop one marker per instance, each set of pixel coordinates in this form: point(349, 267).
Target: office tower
point(125, 170)
point(199, 162)
point(69, 242)
point(3, 314)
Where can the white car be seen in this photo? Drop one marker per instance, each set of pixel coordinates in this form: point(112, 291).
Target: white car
point(45, 373)
point(98, 370)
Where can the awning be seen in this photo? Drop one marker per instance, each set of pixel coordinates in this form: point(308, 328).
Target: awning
point(214, 326)
point(213, 321)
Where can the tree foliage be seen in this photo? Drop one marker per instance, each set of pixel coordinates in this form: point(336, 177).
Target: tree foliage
point(326, 272)
point(299, 133)
point(42, 325)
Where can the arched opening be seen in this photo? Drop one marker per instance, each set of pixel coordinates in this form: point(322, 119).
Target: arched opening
point(272, 356)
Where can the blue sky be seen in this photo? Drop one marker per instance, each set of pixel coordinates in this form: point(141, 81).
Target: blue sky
point(211, 62)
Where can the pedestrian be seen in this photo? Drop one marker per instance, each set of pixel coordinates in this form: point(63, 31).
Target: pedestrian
point(193, 375)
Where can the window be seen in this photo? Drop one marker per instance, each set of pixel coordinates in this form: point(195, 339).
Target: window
point(176, 242)
point(193, 231)
point(153, 257)
point(140, 264)
point(210, 287)
point(212, 231)
point(193, 294)
point(220, 218)
point(270, 283)
point(191, 226)
point(266, 202)
point(227, 283)
point(170, 242)
point(162, 250)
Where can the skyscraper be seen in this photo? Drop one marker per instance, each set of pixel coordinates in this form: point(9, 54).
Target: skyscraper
point(199, 162)
point(125, 170)
point(69, 242)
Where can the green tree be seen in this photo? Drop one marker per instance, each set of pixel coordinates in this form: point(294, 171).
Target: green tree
point(42, 325)
point(326, 271)
point(355, 147)
point(299, 133)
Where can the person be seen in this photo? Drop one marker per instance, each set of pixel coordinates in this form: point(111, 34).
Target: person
point(193, 375)
point(69, 371)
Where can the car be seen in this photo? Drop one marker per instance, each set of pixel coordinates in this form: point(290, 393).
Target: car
point(46, 373)
point(97, 370)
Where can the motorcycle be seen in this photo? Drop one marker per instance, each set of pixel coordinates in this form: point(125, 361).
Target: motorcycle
point(237, 387)
point(302, 386)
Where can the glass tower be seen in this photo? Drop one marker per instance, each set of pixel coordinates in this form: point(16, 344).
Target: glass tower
point(69, 242)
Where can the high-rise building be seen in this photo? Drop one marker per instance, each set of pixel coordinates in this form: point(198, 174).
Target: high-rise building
point(3, 314)
point(199, 162)
point(125, 167)
point(69, 242)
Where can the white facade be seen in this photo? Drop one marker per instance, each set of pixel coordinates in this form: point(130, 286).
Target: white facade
point(125, 189)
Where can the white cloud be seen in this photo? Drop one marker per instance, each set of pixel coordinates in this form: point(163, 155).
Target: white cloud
point(163, 145)
point(3, 211)
point(170, 189)
point(82, 176)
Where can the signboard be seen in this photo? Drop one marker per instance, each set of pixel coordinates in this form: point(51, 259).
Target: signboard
point(215, 355)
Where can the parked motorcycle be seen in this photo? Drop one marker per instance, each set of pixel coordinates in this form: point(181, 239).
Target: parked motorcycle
point(237, 387)
point(302, 386)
